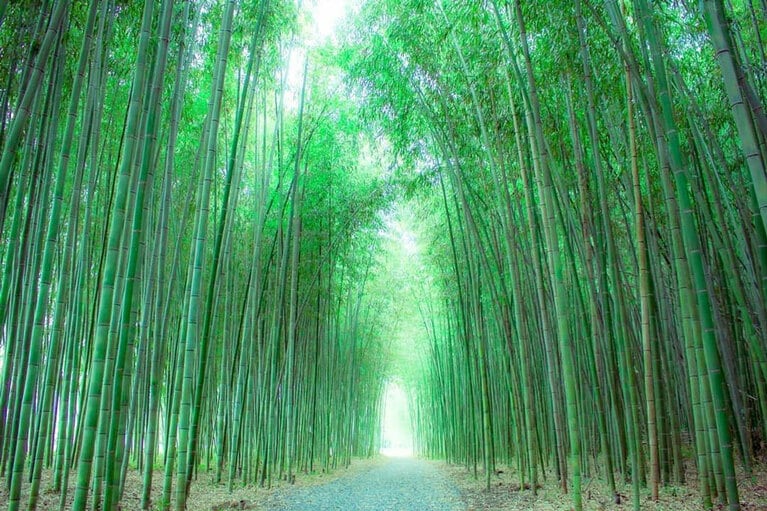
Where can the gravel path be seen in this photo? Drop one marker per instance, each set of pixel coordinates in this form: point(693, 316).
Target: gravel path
point(399, 484)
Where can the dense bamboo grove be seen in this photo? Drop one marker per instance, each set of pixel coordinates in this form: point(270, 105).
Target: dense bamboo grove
point(595, 172)
point(194, 204)
point(185, 227)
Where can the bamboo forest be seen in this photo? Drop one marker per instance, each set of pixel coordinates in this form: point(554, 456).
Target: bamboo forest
point(231, 230)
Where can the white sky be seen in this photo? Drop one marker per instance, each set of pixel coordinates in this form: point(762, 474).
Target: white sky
point(326, 16)
point(395, 423)
point(321, 20)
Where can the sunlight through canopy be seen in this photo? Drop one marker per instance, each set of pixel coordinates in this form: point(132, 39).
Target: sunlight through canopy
point(396, 427)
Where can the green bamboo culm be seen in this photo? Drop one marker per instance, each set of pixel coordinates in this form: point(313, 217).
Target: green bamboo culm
point(101, 339)
point(195, 343)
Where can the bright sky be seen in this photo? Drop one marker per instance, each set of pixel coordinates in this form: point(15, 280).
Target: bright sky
point(326, 16)
point(321, 19)
point(395, 424)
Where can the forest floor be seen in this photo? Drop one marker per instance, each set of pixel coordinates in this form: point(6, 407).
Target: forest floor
point(419, 485)
point(505, 495)
point(204, 495)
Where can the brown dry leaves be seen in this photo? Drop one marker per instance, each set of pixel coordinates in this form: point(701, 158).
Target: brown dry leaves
point(204, 494)
point(504, 493)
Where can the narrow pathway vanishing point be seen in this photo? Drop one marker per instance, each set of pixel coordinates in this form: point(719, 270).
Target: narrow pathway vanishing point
point(401, 484)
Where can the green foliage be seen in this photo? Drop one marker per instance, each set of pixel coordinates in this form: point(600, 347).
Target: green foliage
point(447, 202)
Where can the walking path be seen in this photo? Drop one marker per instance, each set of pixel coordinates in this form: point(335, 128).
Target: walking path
point(399, 484)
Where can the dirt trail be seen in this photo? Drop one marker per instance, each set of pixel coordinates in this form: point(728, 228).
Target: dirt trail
point(403, 484)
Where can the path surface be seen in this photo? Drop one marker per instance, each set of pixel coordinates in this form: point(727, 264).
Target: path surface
point(399, 484)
